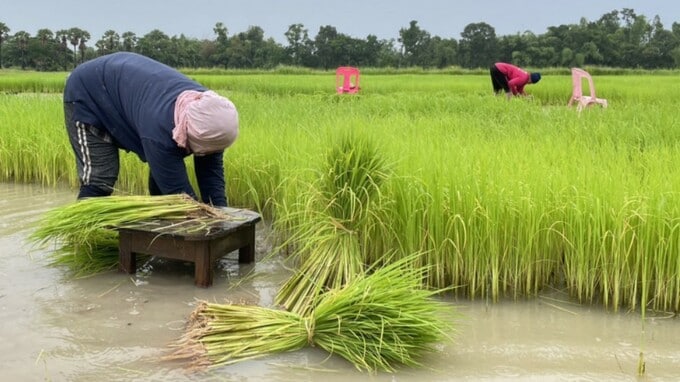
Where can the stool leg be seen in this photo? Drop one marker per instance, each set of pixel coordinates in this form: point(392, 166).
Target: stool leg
point(127, 260)
point(246, 254)
point(203, 275)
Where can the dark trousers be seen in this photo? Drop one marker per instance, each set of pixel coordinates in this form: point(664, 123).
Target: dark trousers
point(96, 156)
point(498, 80)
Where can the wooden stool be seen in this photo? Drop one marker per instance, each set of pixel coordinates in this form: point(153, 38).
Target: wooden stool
point(168, 239)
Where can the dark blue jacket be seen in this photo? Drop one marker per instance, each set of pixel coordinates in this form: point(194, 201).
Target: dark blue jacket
point(132, 97)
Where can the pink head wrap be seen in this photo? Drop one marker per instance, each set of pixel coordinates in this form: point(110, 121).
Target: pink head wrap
point(205, 122)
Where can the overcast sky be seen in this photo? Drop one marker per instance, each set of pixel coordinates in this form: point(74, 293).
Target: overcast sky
point(357, 18)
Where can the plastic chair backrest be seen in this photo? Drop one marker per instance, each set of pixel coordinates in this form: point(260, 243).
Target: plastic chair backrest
point(347, 79)
point(577, 76)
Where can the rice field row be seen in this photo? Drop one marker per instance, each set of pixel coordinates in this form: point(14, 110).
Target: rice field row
point(501, 198)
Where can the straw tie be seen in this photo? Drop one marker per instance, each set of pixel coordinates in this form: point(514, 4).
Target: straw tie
point(309, 326)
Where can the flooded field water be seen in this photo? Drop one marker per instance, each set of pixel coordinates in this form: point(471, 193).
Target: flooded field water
point(115, 327)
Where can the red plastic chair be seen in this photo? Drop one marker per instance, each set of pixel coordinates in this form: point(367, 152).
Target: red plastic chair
point(347, 80)
point(577, 76)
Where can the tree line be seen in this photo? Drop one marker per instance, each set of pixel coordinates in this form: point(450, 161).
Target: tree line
point(620, 38)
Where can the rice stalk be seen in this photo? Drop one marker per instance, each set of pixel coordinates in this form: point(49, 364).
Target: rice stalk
point(377, 321)
point(332, 221)
point(333, 261)
point(99, 256)
point(355, 171)
point(84, 232)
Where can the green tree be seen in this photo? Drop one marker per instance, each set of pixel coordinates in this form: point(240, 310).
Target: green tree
point(22, 38)
point(542, 54)
point(512, 48)
point(222, 34)
point(77, 37)
point(129, 41)
point(478, 46)
point(632, 37)
point(4, 34)
point(44, 36)
point(387, 53)
point(271, 53)
point(324, 49)
point(220, 54)
point(347, 51)
point(47, 54)
point(109, 43)
point(333, 49)
point(620, 38)
point(237, 55)
point(675, 54)
point(675, 30)
point(184, 52)
point(61, 36)
point(657, 53)
point(299, 47)
point(248, 49)
point(443, 52)
point(557, 38)
point(156, 45)
point(368, 51)
point(603, 33)
point(415, 43)
point(591, 53)
point(567, 57)
point(254, 37)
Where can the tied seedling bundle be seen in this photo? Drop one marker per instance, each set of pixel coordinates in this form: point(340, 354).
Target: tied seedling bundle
point(84, 232)
point(377, 321)
point(334, 217)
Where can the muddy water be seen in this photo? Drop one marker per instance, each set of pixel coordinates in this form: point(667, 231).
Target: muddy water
point(114, 327)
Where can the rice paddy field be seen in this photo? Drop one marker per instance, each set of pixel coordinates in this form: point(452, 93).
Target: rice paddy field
point(506, 202)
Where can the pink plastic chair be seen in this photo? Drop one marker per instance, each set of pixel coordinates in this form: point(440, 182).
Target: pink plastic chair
point(577, 76)
point(347, 79)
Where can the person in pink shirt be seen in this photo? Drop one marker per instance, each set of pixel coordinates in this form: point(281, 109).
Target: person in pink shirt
point(511, 79)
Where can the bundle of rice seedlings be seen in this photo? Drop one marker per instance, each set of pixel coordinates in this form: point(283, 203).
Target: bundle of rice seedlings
point(100, 255)
point(84, 233)
point(334, 260)
point(354, 172)
point(330, 225)
point(377, 322)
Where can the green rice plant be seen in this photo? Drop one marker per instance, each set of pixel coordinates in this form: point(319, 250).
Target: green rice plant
point(100, 255)
point(378, 321)
point(252, 180)
point(23, 81)
point(504, 198)
point(332, 259)
point(335, 214)
point(355, 171)
point(84, 232)
point(35, 146)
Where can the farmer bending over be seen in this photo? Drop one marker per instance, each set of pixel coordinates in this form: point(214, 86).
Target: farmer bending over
point(511, 79)
point(131, 102)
